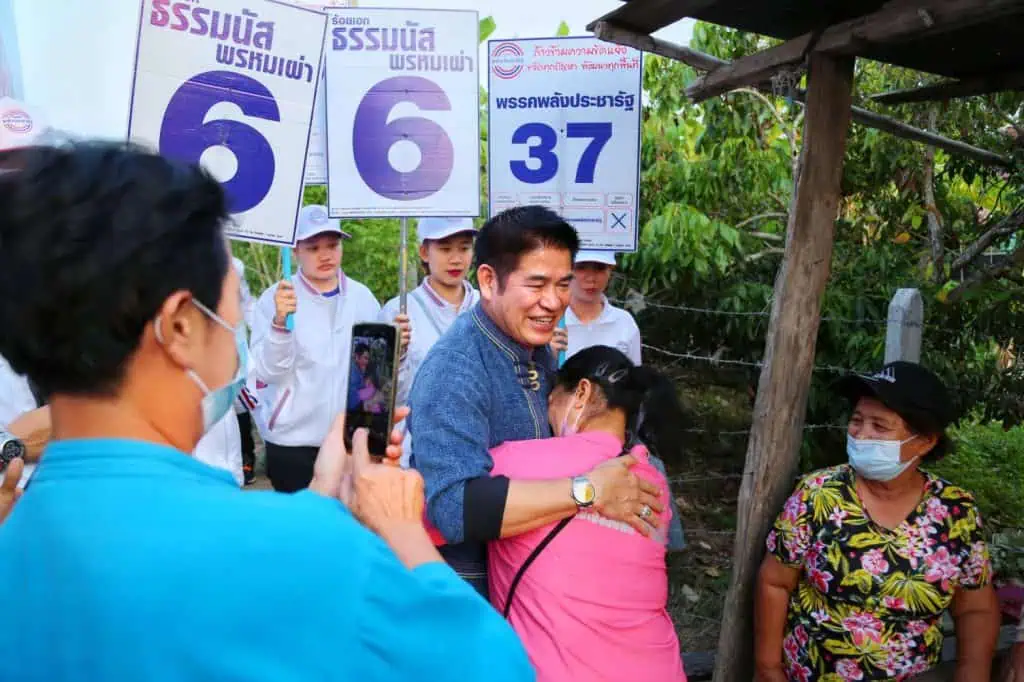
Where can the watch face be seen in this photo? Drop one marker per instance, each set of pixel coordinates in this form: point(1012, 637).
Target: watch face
point(583, 492)
point(10, 450)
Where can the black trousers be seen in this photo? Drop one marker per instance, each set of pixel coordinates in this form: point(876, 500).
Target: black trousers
point(290, 468)
point(248, 444)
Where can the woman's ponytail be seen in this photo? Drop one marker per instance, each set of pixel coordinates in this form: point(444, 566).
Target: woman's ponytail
point(653, 414)
point(658, 421)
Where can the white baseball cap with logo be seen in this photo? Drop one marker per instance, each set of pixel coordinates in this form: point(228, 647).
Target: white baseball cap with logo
point(313, 220)
point(440, 228)
point(603, 257)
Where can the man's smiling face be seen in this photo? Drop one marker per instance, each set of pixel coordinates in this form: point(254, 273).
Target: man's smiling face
point(529, 303)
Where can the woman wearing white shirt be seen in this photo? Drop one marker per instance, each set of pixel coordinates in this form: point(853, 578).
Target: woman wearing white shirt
point(446, 250)
point(303, 373)
point(590, 319)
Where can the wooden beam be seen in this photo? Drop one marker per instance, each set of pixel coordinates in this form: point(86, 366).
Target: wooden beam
point(777, 430)
point(667, 11)
point(705, 62)
point(908, 132)
point(965, 87)
point(894, 23)
point(613, 33)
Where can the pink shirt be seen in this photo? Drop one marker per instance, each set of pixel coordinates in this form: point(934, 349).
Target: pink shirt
point(592, 605)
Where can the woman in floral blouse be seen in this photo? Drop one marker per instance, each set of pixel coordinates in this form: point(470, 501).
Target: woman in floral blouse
point(865, 557)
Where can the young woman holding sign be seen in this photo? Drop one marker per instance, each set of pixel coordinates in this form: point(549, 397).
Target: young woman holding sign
point(304, 372)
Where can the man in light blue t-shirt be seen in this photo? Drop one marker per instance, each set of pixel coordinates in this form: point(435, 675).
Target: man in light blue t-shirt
point(123, 561)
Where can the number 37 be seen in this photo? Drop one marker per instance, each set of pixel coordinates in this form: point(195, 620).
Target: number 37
point(544, 150)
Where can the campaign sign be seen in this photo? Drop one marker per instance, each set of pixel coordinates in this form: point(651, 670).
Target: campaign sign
point(404, 107)
point(564, 132)
point(231, 84)
point(316, 155)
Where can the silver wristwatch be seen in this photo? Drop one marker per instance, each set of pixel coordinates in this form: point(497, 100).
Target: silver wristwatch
point(583, 492)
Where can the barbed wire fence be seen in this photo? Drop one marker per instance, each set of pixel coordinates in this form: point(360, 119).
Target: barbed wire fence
point(902, 327)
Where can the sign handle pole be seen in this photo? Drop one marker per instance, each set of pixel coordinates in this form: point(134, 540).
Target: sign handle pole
point(403, 264)
point(286, 265)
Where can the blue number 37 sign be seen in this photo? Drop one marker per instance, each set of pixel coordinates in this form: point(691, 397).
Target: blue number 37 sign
point(565, 132)
point(230, 85)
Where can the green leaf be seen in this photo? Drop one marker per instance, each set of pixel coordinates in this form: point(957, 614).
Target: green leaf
point(487, 27)
point(563, 30)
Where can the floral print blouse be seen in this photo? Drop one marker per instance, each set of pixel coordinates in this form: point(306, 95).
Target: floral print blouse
point(869, 602)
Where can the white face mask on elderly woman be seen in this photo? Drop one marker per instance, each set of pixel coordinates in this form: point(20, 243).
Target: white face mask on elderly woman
point(216, 404)
point(877, 460)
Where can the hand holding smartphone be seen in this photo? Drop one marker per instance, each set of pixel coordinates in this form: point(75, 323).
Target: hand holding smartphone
point(373, 375)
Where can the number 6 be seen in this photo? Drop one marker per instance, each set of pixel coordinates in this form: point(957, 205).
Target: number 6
point(373, 137)
point(185, 134)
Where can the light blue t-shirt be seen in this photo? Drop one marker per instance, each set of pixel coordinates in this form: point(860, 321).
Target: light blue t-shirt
point(131, 561)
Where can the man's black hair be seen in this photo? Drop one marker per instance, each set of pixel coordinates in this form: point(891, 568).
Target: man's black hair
point(362, 348)
point(506, 237)
point(93, 239)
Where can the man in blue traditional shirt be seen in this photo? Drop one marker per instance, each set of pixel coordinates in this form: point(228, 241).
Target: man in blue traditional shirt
point(487, 380)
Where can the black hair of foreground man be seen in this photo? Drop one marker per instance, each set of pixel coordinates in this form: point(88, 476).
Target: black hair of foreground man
point(93, 238)
point(506, 237)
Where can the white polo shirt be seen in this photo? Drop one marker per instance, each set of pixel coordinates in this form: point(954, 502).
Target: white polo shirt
point(613, 327)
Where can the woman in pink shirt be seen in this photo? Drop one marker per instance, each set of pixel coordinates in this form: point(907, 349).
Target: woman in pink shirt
point(590, 604)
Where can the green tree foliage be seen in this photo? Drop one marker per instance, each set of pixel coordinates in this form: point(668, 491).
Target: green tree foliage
point(716, 188)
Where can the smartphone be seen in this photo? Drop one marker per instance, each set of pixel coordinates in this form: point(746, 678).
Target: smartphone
point(372, 385)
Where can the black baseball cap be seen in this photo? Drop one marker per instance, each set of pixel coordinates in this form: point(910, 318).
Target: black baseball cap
point(914, 393)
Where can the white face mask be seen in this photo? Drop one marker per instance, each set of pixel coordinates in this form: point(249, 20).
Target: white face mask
point(877, 460)
point(216, 404)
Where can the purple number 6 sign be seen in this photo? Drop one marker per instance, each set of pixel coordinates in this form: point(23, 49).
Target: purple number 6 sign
point(373, 137)
point(185, 135)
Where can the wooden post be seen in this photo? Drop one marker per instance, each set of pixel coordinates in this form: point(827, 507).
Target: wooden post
point(775, 436)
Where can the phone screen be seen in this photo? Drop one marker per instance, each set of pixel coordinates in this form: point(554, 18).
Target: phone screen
point(372, 383)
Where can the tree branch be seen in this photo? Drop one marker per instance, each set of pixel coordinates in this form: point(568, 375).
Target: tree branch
point(1004, 228)
point(934, 217)
point(763, 216)
point(771, 251)
point(984, 275)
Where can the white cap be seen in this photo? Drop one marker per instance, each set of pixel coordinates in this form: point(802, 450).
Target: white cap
point(603, 257)
point(439, 228)
point(313, 220)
